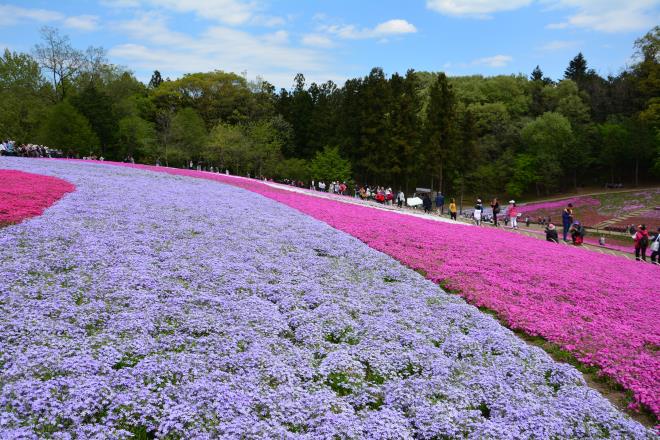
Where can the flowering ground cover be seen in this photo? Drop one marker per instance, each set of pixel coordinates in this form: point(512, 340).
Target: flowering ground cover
point(25, 195)
point(593, 210)
point(158, 306)
point(603, 309)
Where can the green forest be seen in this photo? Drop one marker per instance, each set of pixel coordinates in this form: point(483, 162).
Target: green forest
point(513, 134)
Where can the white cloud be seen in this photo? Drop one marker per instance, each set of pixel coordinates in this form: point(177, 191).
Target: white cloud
point(385, 29)
point(474, 8)
point(599, 15)
point(317, 40)
point(267, 21)
point(82, 22)
point(494, 61)
point(10, 15)
point(558, 45)
point(557, 26)
point(609, 15)
point(156, 46)
point(394, 27)
point(230, 12)
point(279, 37)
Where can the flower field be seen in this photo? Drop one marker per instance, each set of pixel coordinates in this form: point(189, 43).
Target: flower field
point(603, 309)
point(158, 306)
point(25, 195)
point(593, 210)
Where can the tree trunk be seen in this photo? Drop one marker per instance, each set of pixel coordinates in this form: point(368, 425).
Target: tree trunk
point(461, 204)
point(636, 172)
point(440, 178)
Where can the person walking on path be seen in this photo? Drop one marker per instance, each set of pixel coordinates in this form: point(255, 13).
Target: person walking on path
point(496, 209)
point(427, 203)
point(452, 209)
point(551, 234)
point(440, 203)
point(478, 211)
point(641, 242)
point(400, 198)
point(567, 219)
point(513, 214)
point(655, 248)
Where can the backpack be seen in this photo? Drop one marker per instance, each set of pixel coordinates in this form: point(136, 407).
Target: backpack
point(655, 246)
point(644, 241)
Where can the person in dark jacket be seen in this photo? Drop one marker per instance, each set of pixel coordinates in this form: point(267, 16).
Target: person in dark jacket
point(567, 219)
point(655, 248)
point(496, 209)
point(426, 202)
point(440, 203)
point(551, 234)
point(577, 233)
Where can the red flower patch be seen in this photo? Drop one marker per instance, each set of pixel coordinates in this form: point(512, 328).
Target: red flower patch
point(25, 195)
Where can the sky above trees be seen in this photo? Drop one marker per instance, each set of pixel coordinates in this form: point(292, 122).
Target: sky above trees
point(336, 40)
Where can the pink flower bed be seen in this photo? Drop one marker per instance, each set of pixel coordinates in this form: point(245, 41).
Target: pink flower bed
point(561, 204)
point(602, 308)
point(25, 195)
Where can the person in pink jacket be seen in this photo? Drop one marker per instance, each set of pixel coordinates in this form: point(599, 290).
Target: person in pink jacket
point(512, 212)
point(641, 242)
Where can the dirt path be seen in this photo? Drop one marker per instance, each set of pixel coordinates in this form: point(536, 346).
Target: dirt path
point(435, 217)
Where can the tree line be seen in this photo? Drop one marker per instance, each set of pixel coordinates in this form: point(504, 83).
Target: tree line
point(513, 134)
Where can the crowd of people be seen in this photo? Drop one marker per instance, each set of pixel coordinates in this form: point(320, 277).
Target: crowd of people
point(509, 215)
point(9, 148)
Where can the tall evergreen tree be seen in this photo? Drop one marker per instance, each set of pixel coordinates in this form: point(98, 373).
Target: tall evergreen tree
point(375, 128)
point(577, 68)
point(441, 128)
point(156, 80)
point(405, 128)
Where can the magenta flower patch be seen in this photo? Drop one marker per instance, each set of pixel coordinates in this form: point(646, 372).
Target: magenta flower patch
point(602, 308)
point(158, 306)
point(25, 195)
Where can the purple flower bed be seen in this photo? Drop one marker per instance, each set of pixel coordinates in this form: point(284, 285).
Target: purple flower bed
point(153, 305)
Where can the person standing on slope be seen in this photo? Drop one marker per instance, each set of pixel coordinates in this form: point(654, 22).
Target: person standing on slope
point(496, 209)
point(567, 219)
point(512, 211)
point(478, 212)
point(641, 242)
point(655, 248)
point(452, 209)
point(440, 203)
point(400, 198)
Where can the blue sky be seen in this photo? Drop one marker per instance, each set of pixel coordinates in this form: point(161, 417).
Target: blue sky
point(339, 39)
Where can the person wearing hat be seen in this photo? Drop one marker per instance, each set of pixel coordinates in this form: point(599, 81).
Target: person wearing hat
point(641, 242)
point(551, 234)
point(577, 233)
point(512, 211)
point(478, 210)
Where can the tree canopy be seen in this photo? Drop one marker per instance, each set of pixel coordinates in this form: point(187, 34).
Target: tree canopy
point(511, 134)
